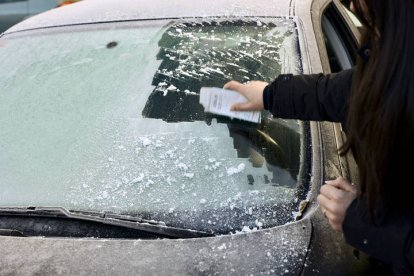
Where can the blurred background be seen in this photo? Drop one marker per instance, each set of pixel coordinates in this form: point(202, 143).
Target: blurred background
point(14, 11)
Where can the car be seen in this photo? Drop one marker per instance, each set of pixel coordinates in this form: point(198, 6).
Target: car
point(13, 11)
point(110, 166)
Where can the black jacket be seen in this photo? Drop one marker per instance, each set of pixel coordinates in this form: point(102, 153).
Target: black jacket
point(390, 237)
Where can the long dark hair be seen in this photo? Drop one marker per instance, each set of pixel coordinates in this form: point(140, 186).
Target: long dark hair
point(381, 109)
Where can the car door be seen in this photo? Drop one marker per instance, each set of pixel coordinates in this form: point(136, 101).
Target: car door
point(337, 41)
point(12, 12)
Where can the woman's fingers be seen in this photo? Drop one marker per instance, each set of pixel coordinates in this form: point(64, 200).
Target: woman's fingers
point(334, 199)
point(331, 212)
point(235, 86)
point(252, 91)
point(242, 106)
point(331, 192)
point(342, 183)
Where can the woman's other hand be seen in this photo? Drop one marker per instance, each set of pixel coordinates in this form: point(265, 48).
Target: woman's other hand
point(334, 199)
point(253, 91)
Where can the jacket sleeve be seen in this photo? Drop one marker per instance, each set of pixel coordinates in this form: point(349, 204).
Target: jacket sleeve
point(389, 239)
point(315, 97)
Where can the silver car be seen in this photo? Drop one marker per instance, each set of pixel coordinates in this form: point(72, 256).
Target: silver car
point(110, 166)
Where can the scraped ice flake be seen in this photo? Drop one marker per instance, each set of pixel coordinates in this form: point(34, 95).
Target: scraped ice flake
point(246, 229)
point(170, 153)
point(159, 144)
point(222, 247)
point(171, 88)
point(259, 223)
point(237, 196)
point(145, 141)
point(213, 164)
point(170, 180)
point(188, 92)
point(189, 175)
point(138, 179)
point(182, 166)
point(171, 210)
point(250, 211)
point(203, 201)
point(234, 170)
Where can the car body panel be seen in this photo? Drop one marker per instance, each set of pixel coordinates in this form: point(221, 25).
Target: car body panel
point(103, 11)
point(272, 251)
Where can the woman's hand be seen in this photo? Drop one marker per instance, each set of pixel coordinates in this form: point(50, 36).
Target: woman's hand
point(334, 198)
point(253, 91)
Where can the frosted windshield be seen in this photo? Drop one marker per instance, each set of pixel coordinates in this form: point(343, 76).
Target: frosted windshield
point(107, 119)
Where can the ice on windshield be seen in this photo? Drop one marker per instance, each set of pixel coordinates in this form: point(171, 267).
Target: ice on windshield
point(108, 120)
point(211, 53)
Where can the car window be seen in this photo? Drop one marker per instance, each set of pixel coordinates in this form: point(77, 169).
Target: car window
point(339, 42)
point(108, 119)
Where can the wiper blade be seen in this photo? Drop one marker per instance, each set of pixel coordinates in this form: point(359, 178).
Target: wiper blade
point(131, 222)
point(11, 232)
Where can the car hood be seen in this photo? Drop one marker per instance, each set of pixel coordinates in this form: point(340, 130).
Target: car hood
point(277, 251)
point(92, 11)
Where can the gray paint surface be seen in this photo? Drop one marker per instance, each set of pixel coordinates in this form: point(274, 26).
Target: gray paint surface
point(277, 251)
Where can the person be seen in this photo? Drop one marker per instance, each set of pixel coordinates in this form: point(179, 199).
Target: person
point(374, 102)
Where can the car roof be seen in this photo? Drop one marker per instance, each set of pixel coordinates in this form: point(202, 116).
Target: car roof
point(94, 11)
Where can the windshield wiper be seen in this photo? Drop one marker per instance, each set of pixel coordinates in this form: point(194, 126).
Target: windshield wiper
point(11, 232)
point(126, 221)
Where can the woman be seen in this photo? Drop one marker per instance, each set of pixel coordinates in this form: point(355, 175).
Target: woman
point(375, 104)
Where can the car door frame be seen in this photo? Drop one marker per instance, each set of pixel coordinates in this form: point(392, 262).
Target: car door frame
point(332, 244)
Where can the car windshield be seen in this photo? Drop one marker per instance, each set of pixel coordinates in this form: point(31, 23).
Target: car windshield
point(107, 118)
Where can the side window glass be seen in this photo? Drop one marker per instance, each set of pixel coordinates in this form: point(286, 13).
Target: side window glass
point(339, 41)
